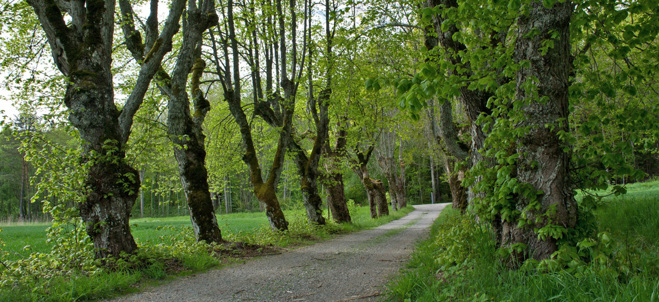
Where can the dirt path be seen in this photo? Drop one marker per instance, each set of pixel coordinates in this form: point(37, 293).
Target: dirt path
point(353, 267)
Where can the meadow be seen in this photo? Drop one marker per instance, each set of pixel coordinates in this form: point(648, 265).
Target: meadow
point(30, 272)
point(460, 262)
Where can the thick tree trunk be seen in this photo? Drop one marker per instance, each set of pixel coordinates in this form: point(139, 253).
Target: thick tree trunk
point(445, 132)
point(185, 130)
point(194, 179)
point(543, 162)
point(394, 176)
point(336, 198)
point(392, 195)
point(370, 193)
point(377, 199)
point(380, 197)
point(81, 42)
point(474, 101)
point(309, 186)
point(458, 192)
point(112, 184)
point(374, 188)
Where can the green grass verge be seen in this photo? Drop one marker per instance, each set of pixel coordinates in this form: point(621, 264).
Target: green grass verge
point(167, 249)
point(459, 262)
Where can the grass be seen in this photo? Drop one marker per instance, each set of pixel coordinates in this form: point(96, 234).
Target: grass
point(167, 249)
point(459, 262)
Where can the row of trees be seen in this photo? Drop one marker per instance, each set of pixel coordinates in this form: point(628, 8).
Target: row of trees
point(161, 194)
point(519, 103)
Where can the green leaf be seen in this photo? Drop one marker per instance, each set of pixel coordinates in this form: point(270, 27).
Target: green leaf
point(548, 3)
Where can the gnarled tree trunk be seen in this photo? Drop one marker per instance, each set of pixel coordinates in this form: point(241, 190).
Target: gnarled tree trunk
point(185, 131)
point(377, 198)
point(309, 183)
point(336, 198)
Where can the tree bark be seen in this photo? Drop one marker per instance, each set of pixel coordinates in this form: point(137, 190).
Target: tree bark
point(445, 131)
point(395, 177)
point(458, 192)
point(377, 199)
point(543, 163)
point(473, 100)
point(309, 183)
point(336, 198)
point(184, 129)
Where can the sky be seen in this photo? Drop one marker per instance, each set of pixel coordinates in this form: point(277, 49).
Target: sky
point(6, 108)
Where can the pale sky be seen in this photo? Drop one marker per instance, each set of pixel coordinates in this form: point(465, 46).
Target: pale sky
point(6, 106)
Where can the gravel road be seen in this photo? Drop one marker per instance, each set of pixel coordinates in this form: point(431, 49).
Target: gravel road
point(352, 267)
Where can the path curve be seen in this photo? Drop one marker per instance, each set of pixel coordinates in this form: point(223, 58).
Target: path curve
point(352, 267)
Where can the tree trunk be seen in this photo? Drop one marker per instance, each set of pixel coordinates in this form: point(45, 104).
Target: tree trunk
point(380, 197)
point(433, 197)
point(336, 199)
point(22, 211)
point(474, 101)
point(377, 199)
point(371, 198)
point(395, 177)
point(309, 185)
point(264, 191)
point(543, 163)
point(142, 172)
point(458, 192)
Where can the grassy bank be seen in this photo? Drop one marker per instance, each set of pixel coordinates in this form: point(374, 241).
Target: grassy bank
point(459, 261)
point(30, 272)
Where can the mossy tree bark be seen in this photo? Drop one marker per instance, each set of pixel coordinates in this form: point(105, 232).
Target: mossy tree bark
point(80, 36)
point(377, 198)
point(333, 180)
point(543, 162)
point(474, 101)
point(394, 172)
point(185, 128)
point(336, 198)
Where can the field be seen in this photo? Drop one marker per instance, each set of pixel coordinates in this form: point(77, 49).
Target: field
point(459, 262)
point(167, 248)
point(20, 239)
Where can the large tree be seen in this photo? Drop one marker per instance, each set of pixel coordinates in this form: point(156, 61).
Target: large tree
point(184, 127)
point(81, 38)
point(517, 109)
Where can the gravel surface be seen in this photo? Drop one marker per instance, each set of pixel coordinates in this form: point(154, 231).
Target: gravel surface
point(352, 267)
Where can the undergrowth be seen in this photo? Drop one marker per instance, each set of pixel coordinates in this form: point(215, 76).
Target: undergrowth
point(69, 272)
point(460, 262)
